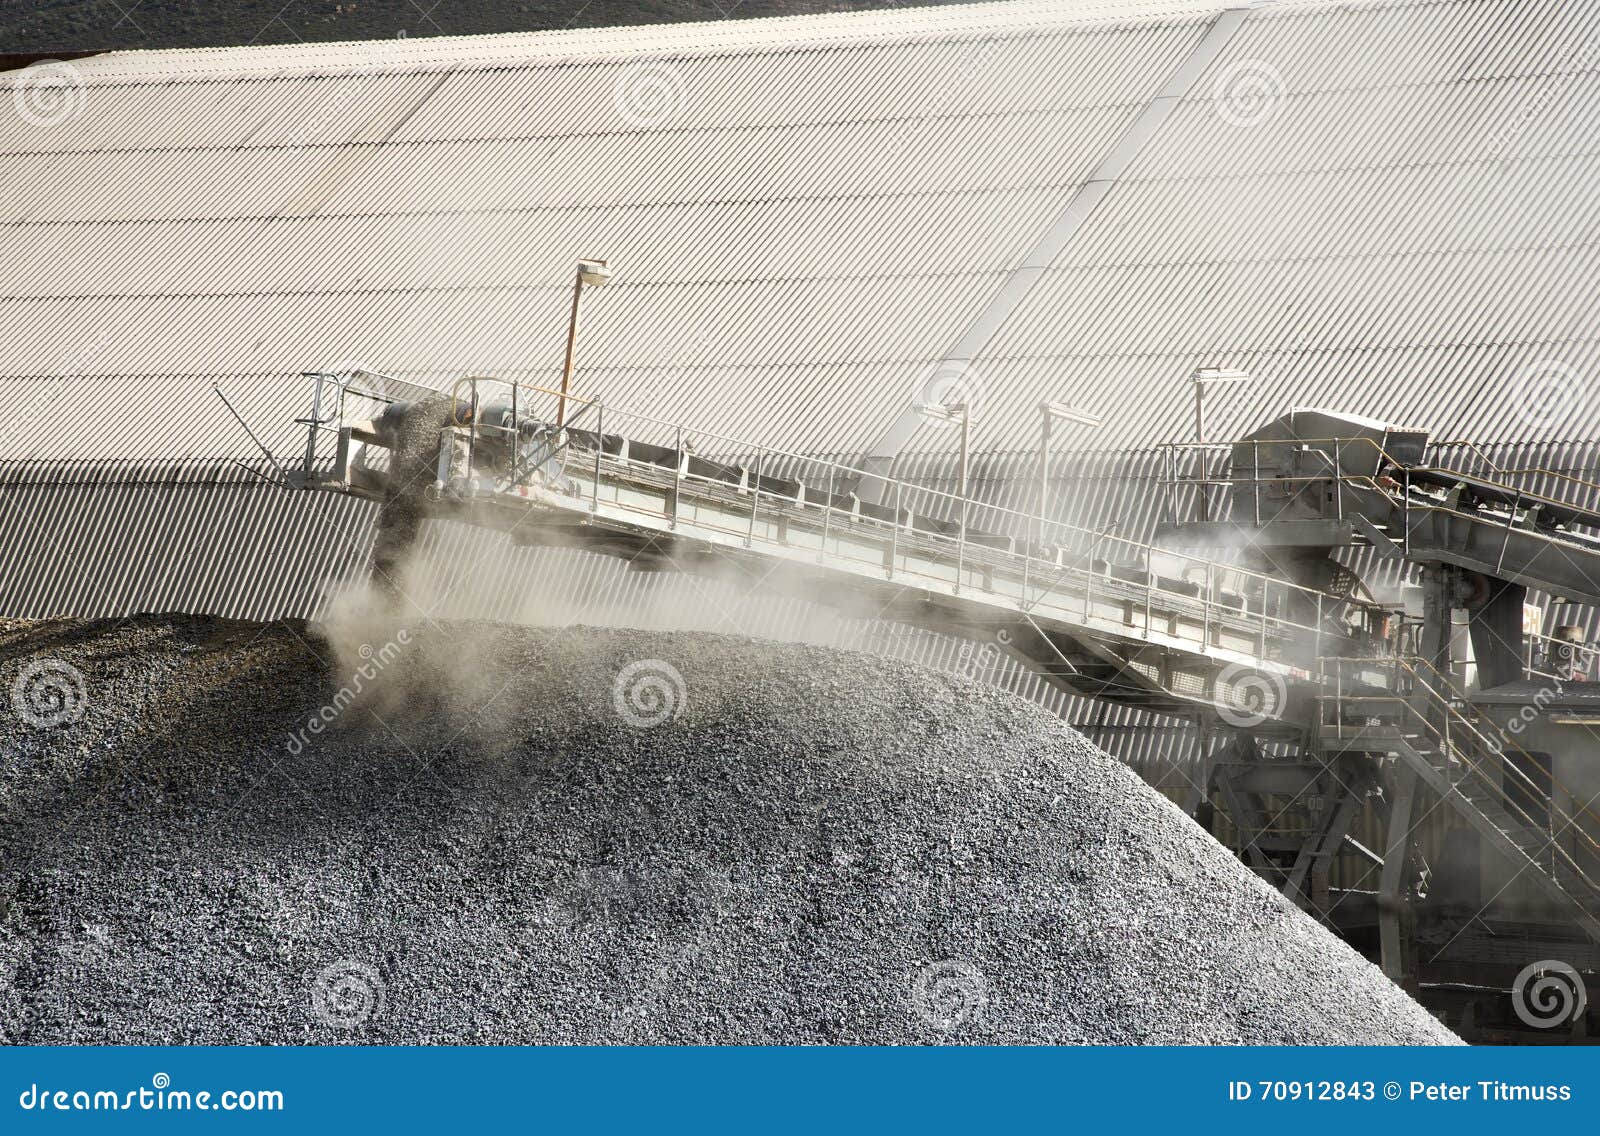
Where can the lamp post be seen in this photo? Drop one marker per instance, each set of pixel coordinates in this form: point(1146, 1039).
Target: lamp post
point(594, 272)
point(953, 412)
point(1048, 412)
point(1200, 380)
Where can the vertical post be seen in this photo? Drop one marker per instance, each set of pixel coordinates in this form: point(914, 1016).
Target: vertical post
point(1027, 558)
point(755, 504)
point(1200, 450)
point(1044, 468)
point(1170, 479)
point(311, 437)
point(599, 447)
point(472, 442)
point(966, 422)
point(1338, 482)
point(1199, 412)
point(827, 513)
point(1317, 637)
point(961, 537)
point(516, 439)
point(677, 479)
point(572, 340)
point(1088, 586)
point(1392, 902)
point(1405, 511)
point(1255, 478)
point(894, 533)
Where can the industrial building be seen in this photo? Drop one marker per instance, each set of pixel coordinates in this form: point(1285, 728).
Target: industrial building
point(1126, 227)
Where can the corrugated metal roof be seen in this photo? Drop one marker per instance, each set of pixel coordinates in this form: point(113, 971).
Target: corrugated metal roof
point(1388, 207)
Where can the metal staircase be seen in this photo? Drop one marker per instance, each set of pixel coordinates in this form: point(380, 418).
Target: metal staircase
point(1480, 771)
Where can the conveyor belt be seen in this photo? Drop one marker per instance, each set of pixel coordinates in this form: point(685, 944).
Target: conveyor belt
point(1093, 612)
point(1551, 511)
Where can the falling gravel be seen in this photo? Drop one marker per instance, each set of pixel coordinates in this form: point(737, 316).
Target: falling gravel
point(513, 835)
point(413, 464)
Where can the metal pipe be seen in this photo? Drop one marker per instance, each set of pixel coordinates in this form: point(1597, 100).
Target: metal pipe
point(1200, 413)
point(1044, 468)
point(894, 533)
point(572, 340)
point(1338, 481)
point(755, 505)
point(961, 538)
point(599, 448)
point(1255, 479)
point(311, 438)
point(677, 479)
point(827, 515)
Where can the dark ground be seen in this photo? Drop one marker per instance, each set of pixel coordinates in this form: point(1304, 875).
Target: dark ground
point(485, 845)
point(73, 25)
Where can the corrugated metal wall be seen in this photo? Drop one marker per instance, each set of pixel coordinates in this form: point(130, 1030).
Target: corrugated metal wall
point(1395, 216)
point(1402, 224)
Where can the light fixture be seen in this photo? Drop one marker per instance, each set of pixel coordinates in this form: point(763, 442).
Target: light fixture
point(1048, 412)
point(1202, 378)
point(593, 272)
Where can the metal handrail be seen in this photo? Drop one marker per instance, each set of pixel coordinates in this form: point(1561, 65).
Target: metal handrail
point(1462, 706)
point(1511, 471)
point(1204, 479)
point(747, 448)
point(1485, 746)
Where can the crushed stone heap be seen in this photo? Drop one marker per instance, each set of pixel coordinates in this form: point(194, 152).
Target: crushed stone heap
point(519, 835)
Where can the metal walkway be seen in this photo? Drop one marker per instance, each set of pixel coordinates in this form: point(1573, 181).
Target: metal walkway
point(1550, 835)
point(1095, 613)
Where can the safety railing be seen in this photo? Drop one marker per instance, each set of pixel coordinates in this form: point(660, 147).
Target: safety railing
point(933, 536)
point(1590, 487)
point(1192, 491)
point(1449, 725)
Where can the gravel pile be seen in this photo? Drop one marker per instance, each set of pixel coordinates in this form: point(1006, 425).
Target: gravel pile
point(514, 835)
